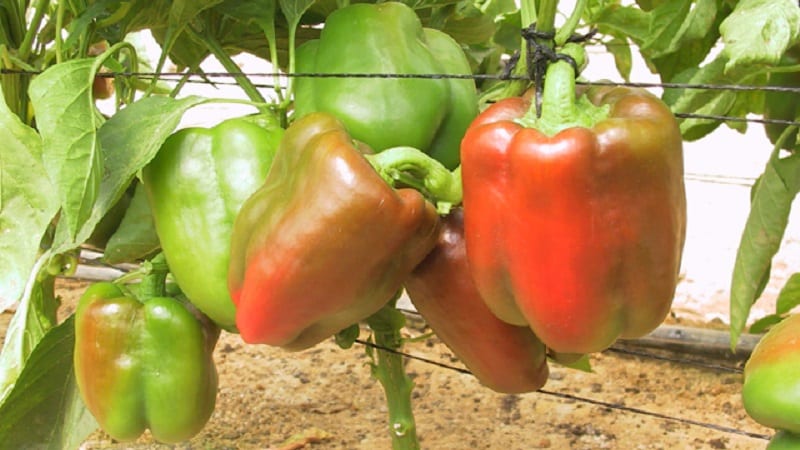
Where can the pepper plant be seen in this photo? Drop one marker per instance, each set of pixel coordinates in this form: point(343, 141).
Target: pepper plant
point(65, 166)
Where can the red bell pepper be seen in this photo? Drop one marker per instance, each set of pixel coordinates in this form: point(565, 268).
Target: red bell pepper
point(575, 220)
point(503, 357)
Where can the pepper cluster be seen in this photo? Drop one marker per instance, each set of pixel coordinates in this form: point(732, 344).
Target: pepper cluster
point(568, 237)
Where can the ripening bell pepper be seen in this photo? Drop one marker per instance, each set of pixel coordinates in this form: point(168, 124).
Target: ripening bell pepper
point(503, 357)
point(141, 365)
point(430, 114)
point(783, 105)
point(771, 390)
point(325, 242)
point(783, 440)
point(195, 185)
point(575, 220)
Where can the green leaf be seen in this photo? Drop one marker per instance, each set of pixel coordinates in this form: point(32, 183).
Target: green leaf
point(623, 59)
point(765, 323)
point(136, 237)
point(130, 139)
point(347, 337)
point(789, 297)
point(44, 410)
point(470, 26)
point(35, 316)
point(712, 102)
point(293, 10)
point(759, 32)
point(62, 99)
point(623, 21)
point(665, 23)
point(762, 235)
point(27, 203)
point(584, 364)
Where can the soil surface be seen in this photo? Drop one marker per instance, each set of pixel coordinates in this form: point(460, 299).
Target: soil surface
point(324, 398)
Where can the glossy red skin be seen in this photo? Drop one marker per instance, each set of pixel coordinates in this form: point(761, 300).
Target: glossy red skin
point(503, 357)
point(325, 242)
point(578, 235)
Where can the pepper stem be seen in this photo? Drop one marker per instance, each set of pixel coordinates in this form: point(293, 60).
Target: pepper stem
point(560, 107)
point(388, 369)
point(412, 167)
point(154, 282)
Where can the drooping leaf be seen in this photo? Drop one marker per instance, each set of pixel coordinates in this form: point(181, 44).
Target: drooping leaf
point(789, 297)
point(703, 101)
point(27, 203)
point(130, 139)
point(762, 235)
point(44, 410)
point(763, 324)
point(136, 237)
point(62, 99)
point(35, 316)
point(623, 59)
point(293, 10)
point(759, 32)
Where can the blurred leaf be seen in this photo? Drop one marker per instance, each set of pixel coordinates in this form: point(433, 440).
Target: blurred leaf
point(789, 297)
point(714, 102)
point(44, 410)
point(136, 237)
point(763, 324)
point(759, 32)
point(27, 203)
point(762, 235)
point(623, 59)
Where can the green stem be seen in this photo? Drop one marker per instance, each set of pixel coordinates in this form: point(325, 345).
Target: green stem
point(59, 25)
point(546, 15)
point(230, 65)
point(26, 46)
point(527, 12)
point(410, 166)
point(560, 108)
point(571, 24)
point(154, 282)
point(388, 369)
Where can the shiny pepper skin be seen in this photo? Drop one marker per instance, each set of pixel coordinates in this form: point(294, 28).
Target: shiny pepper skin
point(771, 390)
point(325, 242)
point(503, 357)
point(195, 185)
point(577, 235)
point(430, 114)
point(144, 365)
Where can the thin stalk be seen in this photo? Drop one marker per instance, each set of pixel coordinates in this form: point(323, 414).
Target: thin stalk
point(59, 25)
point(230, 66)
point(571, 24)
point(26, 46)
point(154, 282)
point(388, 369)
point(546, 15)
point(411, 166)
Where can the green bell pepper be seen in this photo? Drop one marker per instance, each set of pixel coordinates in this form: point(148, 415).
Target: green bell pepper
point(771, 390)
point(142, 365)
point(195, 185)
point(783, 440)
point(388, 38)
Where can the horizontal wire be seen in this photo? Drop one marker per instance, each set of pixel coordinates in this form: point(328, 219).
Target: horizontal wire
point(562, 395)
point(682, 115)
point(704, 86)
